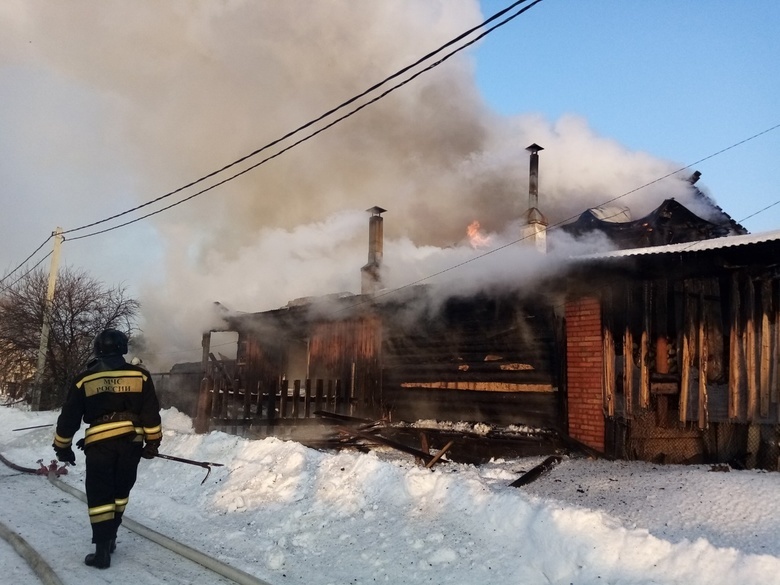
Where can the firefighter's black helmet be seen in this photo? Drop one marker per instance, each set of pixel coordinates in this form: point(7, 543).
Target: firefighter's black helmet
point(110, 342)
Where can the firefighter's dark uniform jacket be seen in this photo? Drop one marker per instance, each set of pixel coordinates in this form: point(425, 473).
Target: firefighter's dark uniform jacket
point(119, 403)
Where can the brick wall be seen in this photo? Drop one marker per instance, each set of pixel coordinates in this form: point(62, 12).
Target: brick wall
point(584, 370)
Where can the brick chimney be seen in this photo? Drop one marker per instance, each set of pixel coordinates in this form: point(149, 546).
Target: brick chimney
point(369, 274)
point(534, 230)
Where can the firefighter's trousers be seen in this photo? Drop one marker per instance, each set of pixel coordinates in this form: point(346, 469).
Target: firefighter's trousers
point(112, 466)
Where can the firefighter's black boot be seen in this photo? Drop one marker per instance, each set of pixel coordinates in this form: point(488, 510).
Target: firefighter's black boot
point(101, 558)
point(112, 546)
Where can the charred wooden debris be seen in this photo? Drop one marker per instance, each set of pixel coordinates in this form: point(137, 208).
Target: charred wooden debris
point(431, 446)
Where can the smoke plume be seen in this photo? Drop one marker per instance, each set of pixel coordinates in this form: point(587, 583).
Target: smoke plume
point(131, 101)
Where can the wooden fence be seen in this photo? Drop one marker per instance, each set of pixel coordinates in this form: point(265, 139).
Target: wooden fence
point(225, 404)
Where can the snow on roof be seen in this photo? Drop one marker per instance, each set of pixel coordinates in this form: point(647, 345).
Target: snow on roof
point(698, 246)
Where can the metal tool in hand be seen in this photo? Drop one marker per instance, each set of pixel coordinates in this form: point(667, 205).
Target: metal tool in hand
point(206, 464)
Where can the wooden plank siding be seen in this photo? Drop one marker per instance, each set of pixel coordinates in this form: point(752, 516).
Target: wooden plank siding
point(644, 348)
point(725, 366)
point(736, 362)
point(350, 350)
point(482, 359)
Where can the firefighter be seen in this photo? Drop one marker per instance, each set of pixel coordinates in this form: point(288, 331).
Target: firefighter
point(118, 402)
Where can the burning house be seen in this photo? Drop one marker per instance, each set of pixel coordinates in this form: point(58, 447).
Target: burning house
point(678, 357)
point(666, 348)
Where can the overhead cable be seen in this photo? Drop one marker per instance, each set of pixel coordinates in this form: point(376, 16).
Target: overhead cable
point(23, 262)
point(309, 124)
point(10, 286)
point(308, 137)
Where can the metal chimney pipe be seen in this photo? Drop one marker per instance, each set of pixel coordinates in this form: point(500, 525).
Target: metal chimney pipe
point(535, 224)
point(370, 272)
point(533, 176)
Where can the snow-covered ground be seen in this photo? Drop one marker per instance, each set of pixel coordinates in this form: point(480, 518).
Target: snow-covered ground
point(289, 514)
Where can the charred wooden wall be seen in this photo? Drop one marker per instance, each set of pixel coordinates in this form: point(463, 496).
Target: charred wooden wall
point(699, 350)
point(260, 362)
point(692, 356)
point(480, 359)
point(350, 351)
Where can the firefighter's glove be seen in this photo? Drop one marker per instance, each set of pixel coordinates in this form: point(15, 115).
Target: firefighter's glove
point(150, 449)
point(65, 454)
point(80, 444)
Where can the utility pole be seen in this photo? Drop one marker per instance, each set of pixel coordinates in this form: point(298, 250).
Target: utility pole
point(55, 264)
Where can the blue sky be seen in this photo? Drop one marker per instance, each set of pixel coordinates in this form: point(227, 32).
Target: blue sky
point(679, 79)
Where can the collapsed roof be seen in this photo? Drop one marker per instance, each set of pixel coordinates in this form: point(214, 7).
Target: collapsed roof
point(670, 223)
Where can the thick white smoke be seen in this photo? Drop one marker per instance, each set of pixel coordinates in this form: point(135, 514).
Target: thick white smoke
point(164, 92)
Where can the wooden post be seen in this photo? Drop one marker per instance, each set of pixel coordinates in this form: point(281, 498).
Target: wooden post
point(765, 354)
point(330, 401)
point(307, 399)
point(43, 347)
point(202, 419)
point(662, 336)
point(318, 395)
point(271, 403)
point(735, 350)
point(609, 373)
point(703, 357)
point(283, 396)
point(350, 394)
point(628, 357)
point(775, 377)
point(247, 399)
point(644, 349)
point(203, 411)
point(296, 398)
point(608, 369)
point(750, 353)
point(688, 347)
point(259, 404)
point(216, 388)
point(338, 398)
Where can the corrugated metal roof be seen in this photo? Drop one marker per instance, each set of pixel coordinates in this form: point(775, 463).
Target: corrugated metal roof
point(713, 244)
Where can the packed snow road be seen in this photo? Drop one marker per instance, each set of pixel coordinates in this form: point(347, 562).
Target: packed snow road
point(66, 540)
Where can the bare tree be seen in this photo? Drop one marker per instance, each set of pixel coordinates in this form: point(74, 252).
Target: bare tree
point(82, 307)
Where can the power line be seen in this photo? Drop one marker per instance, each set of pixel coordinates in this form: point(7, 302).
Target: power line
point(23, 262)
point(313, 134)
point(10, 286)
point(759, 211)
point(312, 122)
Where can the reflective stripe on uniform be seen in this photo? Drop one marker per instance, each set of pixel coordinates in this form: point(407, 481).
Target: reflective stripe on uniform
point(153, 433)
point(120, 504)
point(108, 431)
point(102, 513)
point(62, 442)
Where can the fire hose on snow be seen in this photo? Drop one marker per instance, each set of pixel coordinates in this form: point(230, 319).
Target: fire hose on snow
point(205, 464)
point(47, 575)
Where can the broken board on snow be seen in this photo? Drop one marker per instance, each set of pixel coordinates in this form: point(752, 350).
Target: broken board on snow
point(367, 430)
point(538, 471)
point(362, 423)
point(427, 458)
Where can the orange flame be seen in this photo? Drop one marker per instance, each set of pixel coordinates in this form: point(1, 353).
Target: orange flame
point(476, 238)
